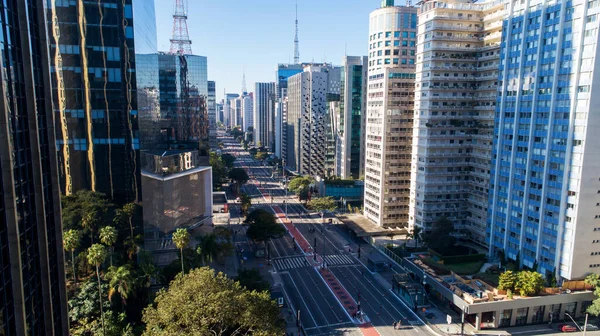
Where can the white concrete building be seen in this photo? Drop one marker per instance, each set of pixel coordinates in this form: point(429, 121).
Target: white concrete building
point(247, 112)
point(389, 114)
point(306, 118)
point(455, 97)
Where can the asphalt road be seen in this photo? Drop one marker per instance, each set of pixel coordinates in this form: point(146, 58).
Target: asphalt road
point(305, 290)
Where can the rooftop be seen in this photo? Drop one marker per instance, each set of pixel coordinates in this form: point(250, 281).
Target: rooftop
point(363, 227)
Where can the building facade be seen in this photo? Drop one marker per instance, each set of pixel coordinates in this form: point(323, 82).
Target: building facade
point(389, 114)
point(183, 86)
point(247, 112)
point(228, 110)
point(33, 298)
point(306, 118)
point(212, 115)
point(264, 98)
point(95, 95)
point(457, 74)
point(544, 193)
point(350, 119)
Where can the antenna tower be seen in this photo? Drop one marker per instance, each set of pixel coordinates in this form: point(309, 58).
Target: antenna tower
point(180, 42)
point(244, 89)
point(296, 41)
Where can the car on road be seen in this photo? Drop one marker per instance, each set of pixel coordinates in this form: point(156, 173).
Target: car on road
point(567, 328)
point(591, 327)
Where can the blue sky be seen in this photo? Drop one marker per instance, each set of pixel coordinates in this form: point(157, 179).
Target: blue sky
point(255, 35)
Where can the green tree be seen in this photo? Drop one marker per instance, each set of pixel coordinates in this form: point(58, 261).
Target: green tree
point(416, 234)
point(227, 308)
point(245, 203)
point(219, 170)
point(108, 237)
point(529, 283)
point(260, 156)
point(322, 204)
point(239, 176)
point(75, 206)
point(90, 221)
point(262, 226)
point(252, 280)
point(71, 242)
point(507, 281)
point(439, 238)
point(181, 239)
point(594, 281)
point(300, 185)
point(120, 281)
point(228, 160)
point(96, 256)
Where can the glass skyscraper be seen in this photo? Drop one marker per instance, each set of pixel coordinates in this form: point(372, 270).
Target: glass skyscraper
point(183, 87)
point(95, 98)
point(544, 204)
point(32, 275)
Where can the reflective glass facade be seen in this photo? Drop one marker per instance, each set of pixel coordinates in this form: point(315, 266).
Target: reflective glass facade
point(95, 98)
point(32, 284)
point(183, 87)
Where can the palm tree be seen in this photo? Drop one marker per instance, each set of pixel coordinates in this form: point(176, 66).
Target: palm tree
point(96, 256)
point(391, 236)
point(120, 281)
point(71, 241)
point(90, 221)
point(181, 238)
point(416, 234)
point(108, 237)
point(129, 210)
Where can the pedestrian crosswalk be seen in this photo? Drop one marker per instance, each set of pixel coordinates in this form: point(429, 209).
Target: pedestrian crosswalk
point(337, 259)
point(284, 264)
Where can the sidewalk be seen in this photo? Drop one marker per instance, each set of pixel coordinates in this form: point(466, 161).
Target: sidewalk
point(435, 317)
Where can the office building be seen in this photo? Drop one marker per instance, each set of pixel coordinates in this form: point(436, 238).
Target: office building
point(350, 118)
point(279, 127)
point(212, 103)
point(212, 115)
point(307, 112)
point(95, 95)
point(545, 188)
point(457, 74)
point(264, 99)
point(219, 108)
point(248, 112)
point(236, 112)
point(177, 194)
point(282, 73)
point(389, 114)
point(33, 298)
point(183, 86)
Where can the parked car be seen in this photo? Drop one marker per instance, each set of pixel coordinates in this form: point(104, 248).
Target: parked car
point(591, 327)
point(567, 328)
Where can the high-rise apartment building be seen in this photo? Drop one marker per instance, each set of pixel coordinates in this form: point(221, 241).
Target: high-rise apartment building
point(228, 111)
point(94, 82)
point(212, 103)
point(307, 112)
point(389, 113)
point(544, 203)
point(236, 112)
point(457, 74)
point(350, 118)
point(33, 299)
point(247, 111)
point(264, 99)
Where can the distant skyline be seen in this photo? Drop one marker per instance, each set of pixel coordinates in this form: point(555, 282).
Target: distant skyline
point(235, 35)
